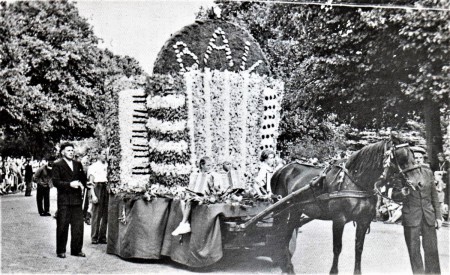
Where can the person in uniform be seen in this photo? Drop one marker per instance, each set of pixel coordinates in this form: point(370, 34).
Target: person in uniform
point(421, 216)
point(28, 177)
point(97, 173)
point(43, 178)
point(68, 178)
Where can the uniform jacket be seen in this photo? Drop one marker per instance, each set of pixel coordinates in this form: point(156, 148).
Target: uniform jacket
point(62, 176)
point(420, 204)
point(43, 176)
point(28, 173)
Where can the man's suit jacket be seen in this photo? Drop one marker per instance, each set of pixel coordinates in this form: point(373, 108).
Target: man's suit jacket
point(422, 203)
point(62, 176)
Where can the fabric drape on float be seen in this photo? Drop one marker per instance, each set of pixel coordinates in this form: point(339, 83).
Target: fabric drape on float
point(141, 234)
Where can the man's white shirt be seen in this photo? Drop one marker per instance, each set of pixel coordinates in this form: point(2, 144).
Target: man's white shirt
point(99, 171)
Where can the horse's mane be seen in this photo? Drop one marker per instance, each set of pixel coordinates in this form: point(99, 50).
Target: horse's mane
point(366, 165)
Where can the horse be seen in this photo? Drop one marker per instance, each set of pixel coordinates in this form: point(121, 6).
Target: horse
point(346, 193)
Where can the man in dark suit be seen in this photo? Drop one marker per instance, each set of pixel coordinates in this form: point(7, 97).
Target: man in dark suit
point(421, 216)
point(69, 179)
point(28, 177)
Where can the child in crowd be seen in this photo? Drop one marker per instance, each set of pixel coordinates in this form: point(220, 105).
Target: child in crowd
point(200, 182)
point(265, 173)
point(232, 176)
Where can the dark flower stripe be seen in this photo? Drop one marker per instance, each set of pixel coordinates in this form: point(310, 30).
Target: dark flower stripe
point(168, 114)
point(168, 157)
point(176, 136)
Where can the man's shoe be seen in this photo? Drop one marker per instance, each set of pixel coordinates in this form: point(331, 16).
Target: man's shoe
point(94, 242)
point(102, 242)
point(79, 254)
point(41, 214)
point(47, 214)
point(61, 255)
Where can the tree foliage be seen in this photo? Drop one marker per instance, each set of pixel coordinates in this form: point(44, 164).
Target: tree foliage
point(372, 67)
point(52, 74)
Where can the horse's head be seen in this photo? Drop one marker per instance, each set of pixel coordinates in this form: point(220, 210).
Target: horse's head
point(399, 159)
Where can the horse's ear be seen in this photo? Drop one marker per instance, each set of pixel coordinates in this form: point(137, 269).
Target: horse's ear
point(396, 138)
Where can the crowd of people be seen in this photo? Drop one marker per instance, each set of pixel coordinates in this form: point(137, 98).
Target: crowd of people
point(16, 174)
point(82, 191)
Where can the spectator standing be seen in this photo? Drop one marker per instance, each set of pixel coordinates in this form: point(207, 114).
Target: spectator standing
point(69, 178)
point(421, 217)
point(97, 173)
point(86, 194)
point(28, 177)
point(43, 178)
point(444, 166)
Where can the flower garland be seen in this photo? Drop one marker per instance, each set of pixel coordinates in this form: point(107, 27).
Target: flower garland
point(226, 114)
point(222, 117)
point(208, 108)
point(171, 169)
point(168, 101)
point(244, 111)
point(190, 121)
point(154, 124)
point(166, 146)
point(167, 128)
point(246, 198)
point(218, 127)
point(199, 115)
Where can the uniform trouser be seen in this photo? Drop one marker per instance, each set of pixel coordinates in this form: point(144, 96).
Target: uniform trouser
point(99, 219)
point(69, 215)
point(43, 194)
point(28, 187)
point(429, 243)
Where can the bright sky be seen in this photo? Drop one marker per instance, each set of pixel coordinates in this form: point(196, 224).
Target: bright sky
point(139, 28)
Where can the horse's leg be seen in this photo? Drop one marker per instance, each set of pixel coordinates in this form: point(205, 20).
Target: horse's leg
point(283, 254)
point(338, 229)
point(361, 230)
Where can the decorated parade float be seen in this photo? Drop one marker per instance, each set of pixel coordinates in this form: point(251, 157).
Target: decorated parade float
point(211, 95)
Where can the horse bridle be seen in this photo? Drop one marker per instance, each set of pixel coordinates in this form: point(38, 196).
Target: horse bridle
point(390, 157)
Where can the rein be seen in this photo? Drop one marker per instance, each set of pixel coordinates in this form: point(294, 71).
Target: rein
point(404, 171)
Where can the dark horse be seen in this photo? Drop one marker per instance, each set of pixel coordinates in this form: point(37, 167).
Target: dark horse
point(345, 194)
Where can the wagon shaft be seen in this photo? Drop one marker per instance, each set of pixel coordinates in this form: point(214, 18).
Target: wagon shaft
point(278, 206)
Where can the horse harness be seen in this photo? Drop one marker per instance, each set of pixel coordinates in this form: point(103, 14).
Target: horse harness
point(343, 173)
point(339, 194)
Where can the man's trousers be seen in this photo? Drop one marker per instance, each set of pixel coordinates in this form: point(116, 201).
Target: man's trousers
point(429, 243)
point(43, 194)
point(69, 215)
point(99, 220)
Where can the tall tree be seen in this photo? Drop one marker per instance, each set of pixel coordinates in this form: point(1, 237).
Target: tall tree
point(365, 65)
point(52, 74)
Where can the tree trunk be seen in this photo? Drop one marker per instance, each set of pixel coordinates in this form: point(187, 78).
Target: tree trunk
point(433, 131)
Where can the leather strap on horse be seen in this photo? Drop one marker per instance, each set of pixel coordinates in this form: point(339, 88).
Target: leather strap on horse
point(339, 195)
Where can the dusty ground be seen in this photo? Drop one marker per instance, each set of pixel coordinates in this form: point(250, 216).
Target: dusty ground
point(28, 246)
